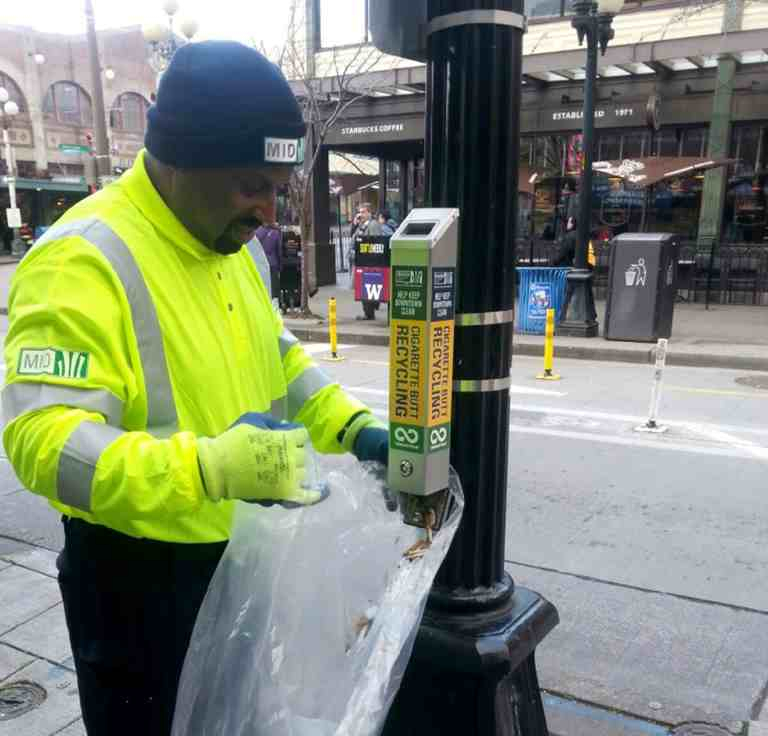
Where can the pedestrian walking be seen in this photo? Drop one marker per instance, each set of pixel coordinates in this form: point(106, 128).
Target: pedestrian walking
point(149, 376)
point(384, 223)
point(271, 238)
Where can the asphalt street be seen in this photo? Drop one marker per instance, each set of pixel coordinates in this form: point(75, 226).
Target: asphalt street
point(652, 546)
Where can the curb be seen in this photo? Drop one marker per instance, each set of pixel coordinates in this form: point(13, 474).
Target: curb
point(645, 356)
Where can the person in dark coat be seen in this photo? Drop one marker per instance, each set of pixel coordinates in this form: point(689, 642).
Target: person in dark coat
point(271, 239)
point(566, 253)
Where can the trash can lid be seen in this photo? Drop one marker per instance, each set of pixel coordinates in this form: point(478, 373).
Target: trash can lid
point(646, 237)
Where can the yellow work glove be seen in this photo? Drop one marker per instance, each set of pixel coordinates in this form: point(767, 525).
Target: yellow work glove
point(254, 464)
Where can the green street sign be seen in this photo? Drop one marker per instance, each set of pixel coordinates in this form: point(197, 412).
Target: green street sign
point(73, 148)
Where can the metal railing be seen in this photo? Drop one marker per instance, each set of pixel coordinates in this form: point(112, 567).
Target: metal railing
point(729, 273)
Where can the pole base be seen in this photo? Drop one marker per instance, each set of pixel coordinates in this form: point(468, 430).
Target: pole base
point(580, 317)
point(547, 376)
point(652, 428)
point(475, 673)
point(332, 358)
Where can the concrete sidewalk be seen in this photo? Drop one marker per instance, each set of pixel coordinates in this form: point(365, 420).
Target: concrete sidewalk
point(34, 646)
point(725, 336)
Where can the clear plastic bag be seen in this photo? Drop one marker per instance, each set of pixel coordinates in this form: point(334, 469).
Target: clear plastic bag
point(311, 616)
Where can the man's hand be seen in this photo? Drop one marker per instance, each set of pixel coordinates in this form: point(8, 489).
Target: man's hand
point(257, 459)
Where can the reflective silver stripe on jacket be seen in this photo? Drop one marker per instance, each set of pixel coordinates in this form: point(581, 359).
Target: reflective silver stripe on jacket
point(256, 250)
point(312, 379)
point(286, 341)
point(302, 388)
point(80, 454)
point(162, 419)
point(279, 408)
point(20, 398)
point(77, 462)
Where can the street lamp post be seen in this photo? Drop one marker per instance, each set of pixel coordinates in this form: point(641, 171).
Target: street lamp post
point(101, 144)
point(9, 109)
point(593, 22)
point(473, 666)
point(162, 39)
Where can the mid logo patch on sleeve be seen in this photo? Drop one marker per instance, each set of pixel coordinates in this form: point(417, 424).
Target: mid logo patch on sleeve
point(53, 362)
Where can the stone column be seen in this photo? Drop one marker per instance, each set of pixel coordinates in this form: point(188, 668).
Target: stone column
point(716, 180)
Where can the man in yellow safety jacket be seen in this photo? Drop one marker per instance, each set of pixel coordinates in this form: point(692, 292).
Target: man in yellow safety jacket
point(150, 380)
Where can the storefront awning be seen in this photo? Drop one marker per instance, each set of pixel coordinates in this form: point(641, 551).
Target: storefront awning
point(47, 185)
point(646, 172)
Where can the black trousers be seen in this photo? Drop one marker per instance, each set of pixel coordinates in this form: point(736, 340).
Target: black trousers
point(130, 606)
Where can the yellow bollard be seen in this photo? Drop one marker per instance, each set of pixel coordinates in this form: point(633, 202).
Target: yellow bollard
point(549, 349)
point(332, 331)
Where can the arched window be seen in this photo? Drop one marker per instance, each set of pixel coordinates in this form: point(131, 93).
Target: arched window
point(129, 113)
point(14, 93)
point(68, 103)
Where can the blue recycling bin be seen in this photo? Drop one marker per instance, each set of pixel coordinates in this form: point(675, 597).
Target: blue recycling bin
point(540, 289)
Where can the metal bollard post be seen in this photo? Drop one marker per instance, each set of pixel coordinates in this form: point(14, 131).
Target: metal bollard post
point(549, 349)
point(332, 331)
point(652, 424)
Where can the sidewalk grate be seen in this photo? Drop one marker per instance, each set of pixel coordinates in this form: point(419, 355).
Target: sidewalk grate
point(699, 729)
point(20, 697)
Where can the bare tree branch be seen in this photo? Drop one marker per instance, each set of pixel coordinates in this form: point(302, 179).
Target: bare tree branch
point(321, 113)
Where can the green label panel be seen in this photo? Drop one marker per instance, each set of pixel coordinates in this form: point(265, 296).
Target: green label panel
point(409, 292)
point(406, 437)
point(439, 437)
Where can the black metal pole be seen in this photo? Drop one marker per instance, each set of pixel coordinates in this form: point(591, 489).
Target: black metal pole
point(588, 144)
point(580, 318)
point(473, 668)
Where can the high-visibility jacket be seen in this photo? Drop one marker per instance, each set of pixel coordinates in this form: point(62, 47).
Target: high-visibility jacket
point(127, 340)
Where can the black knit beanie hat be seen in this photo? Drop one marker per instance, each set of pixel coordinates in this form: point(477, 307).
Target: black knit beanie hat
point(221, 104)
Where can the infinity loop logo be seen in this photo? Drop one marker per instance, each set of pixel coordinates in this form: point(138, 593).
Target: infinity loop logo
point(407, 436)
point(438, 436)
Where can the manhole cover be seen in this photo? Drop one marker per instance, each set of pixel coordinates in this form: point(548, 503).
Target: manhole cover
point(754, 381)
point(700, 729)
point(18, 698)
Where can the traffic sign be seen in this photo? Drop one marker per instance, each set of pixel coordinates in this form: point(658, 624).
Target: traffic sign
point(13, 217)
point(74, 148)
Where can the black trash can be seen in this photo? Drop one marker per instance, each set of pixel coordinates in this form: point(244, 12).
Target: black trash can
point(642, 286)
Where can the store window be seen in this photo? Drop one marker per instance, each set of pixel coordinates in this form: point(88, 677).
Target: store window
point(674, 207)
point(129, 113)
point(749, 144)
point(694, 142)
point(745, 218)
point(635, 144)
point(544, 8)
point(681, 142)
point(609, 147)
point(392, 201)
point(416, 179)
point(13, 90)
point(69, 104)
point(526, 151)
point(342, 22)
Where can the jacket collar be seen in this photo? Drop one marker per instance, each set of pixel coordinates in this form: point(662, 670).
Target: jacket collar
point(139, 188)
